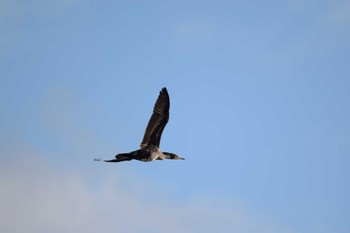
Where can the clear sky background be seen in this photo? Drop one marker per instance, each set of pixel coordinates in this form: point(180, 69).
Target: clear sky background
point(259, 95)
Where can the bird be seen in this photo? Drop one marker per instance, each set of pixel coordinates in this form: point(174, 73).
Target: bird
point(149, 148)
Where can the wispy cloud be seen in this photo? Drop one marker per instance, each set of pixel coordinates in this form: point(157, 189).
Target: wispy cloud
point(35, 197)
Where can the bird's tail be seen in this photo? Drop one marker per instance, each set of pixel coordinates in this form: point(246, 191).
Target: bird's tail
point(118, 158)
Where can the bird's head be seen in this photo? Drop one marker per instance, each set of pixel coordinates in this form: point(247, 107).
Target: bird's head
point(172, 156)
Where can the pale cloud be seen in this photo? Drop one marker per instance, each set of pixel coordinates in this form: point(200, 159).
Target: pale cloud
point(36, 197)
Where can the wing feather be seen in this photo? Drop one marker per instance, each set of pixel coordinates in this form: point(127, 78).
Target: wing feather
point(158, 120)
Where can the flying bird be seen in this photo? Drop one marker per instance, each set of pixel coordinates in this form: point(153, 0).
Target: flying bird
point(149, 148)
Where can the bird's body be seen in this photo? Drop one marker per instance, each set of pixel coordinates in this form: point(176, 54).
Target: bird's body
point(150, 150)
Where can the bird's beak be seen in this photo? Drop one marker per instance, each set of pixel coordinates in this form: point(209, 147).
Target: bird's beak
point(181, 158)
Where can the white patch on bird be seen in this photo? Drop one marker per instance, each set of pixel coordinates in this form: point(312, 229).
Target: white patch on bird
point(156, 154)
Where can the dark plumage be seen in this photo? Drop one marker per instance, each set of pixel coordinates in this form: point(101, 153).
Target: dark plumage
point(150, 150)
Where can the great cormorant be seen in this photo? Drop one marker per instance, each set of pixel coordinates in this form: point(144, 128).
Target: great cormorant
point(149, 150)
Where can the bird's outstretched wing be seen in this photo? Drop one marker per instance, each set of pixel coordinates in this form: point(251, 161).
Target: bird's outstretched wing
point(158, 120)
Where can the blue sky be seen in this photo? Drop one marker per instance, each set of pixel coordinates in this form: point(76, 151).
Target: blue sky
point(259, 108)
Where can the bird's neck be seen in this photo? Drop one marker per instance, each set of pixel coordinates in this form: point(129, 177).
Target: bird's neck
point(168, 155)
